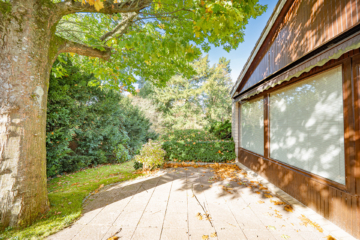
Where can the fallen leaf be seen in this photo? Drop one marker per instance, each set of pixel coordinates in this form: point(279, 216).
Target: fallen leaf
point(329, 237)
point(113, 238)
point(205, 237)
point(285, 236)
point(260, 202)
point(306, 221)
point(199, 216)
point(271, 227)
point(277, 202)
point(268, 195)
point(288, 208)
point(213, 234)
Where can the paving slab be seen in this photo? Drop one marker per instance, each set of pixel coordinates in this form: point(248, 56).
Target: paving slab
point(166, 207)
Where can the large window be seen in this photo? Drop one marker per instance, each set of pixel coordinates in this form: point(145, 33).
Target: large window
point(307, 125)
point(252, 125)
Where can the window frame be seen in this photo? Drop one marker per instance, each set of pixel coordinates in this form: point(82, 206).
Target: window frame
point(349, 145)
point(240, 117)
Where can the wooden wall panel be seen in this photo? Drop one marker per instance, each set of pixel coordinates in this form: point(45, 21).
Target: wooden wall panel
point(339, 206)
point(307, 25)
point(338, 203)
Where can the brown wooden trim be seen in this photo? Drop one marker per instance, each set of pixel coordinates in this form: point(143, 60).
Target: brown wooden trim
point(317, 70)
point(356, 101)
point(312, 176)
point(337, 205)
point(348, 125)
point(266, 127)
point(312, 44)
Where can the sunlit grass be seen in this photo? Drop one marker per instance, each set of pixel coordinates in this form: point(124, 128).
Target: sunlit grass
point(66, 194)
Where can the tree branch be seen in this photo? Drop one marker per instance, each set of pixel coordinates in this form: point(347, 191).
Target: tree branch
point(70, 7)
point(121, 28)
point(65, 45)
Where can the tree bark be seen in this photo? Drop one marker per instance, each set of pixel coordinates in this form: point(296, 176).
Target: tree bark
point(28, 48)
point(25, 64)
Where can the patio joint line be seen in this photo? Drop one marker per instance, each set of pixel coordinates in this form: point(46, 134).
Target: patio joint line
point(96, 214)
point(143, 210)
point(236, 219)
point(208, 209)
point(167, 204)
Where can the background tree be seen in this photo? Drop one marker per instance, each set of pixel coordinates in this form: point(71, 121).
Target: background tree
point(135, 37)
point(87, 126)
point(193, 103)
point(216, 92)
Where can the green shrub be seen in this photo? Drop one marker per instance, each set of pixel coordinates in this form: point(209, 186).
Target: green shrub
point(87, 125)
point(204, 151)
point(137, 165)
point(221, 130)
point(151, 155)
point(188, 135)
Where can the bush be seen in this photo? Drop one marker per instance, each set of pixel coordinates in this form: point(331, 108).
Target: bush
point(204, 151)
point(87, 125)
point(151, 155)
point(221, 130)
point(137, 165)
point(188, 135)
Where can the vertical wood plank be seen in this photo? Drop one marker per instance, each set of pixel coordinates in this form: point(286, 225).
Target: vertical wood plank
point(356, 84)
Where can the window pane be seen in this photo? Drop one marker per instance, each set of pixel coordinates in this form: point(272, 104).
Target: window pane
point(252, 126)
point(307, 125)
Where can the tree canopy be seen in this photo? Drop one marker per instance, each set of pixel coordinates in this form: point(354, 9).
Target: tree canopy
point(151, 39)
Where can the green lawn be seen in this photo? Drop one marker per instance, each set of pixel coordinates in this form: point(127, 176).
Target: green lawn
point(66, 194)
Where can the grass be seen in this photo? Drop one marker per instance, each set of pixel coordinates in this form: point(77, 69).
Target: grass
point(66, 194)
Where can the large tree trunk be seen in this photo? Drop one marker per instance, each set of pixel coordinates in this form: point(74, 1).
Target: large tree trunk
point(28, 48)
point(25, 63)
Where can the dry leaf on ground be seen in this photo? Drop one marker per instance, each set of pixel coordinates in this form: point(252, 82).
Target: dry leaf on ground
point(277, 202)
point(271, 227)
point(329, 237)
point(113, 238)
point(205, 237)
point(199, 216)
point(288, 208)
point(213, 234)
point(306, 221)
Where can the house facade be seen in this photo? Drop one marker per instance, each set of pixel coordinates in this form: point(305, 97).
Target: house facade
point(296, 106)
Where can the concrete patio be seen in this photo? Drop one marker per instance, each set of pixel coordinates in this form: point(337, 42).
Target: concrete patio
point(167, 206)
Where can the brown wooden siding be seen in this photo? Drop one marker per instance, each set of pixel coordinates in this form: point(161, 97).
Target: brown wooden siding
point(338, 203)
point(306, 25)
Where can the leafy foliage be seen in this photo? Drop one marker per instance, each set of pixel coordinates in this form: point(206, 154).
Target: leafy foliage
point(138, 165)
point(161, 40)
point(192, 103)
point(204, 151)
point(150, 111)
point(188, 135)
point(221, 129)
point(151, 155)
point(88, 126)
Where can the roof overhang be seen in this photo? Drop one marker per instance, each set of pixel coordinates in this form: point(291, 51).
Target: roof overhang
point(279, 6)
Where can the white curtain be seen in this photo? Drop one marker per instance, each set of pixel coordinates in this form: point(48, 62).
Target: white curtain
point(307, 125)
point(252, 125)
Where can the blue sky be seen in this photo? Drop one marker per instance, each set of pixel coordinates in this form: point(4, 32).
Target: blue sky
point(239, 56)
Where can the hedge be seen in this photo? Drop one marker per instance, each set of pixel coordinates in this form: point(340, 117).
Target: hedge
point(188, 135)
point(204, 151)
